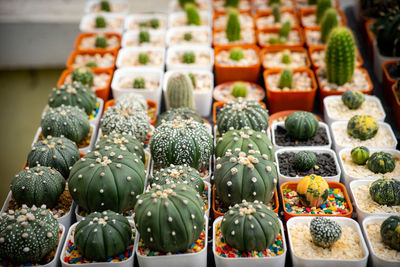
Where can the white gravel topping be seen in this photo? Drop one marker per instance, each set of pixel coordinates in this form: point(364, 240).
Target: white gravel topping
point(379, 248)
point(359, 82)
point(274, 60)
point(102, 60)
point(366, 204)
point(338, 111)
point(250, 58)
point(301, 81)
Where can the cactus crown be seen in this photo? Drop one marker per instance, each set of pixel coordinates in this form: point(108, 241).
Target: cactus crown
point(286, 78)
point(236, 54)
point(233, 26)
point(188, 57)
point(329, 21)
point(304, 160)
point(100, 22)
point(276, 12)
point(192, 15)
point(324, 231)
point(91, 64)
point(180, 91)
point(232, 3)
point(144, 37)
point(322, 6)
point(353, 99)
point(139, 83)
point(284, 32)
point(188, 36)
point(101, 41)
point(143, 58)
point(239, 89)
point(105, 6)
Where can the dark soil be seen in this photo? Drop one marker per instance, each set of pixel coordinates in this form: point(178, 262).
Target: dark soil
point(319, 139)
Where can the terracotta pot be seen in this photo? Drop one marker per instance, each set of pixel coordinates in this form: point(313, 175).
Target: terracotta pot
point(315, 65)
point(103, 93)
point(307, 11)
point(285, 100)
point(265, 13)
point(81, 36)
point(72, 56)
point(276, 30)
point(370, 38)
point(223, 13)
point(230, 45)
point(152, 112)
point(219, 104)
point(396, 105)
point(222, 86)
point(248, 73)
point(279, 49)
point(388, 81)
point(281, 116)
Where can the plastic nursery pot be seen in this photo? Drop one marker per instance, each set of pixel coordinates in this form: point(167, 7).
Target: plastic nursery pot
point(242, 43)
point(309, 11)
point(396, 105)
point(388, 81)
point(71, 60)
point(218, 14)
point(217, 214)
point(102, 93)
point(315, 49)
point(152, 112)
point(276, 31)
point(84, 35)
point(279, 100)
point(302, 4)
point(249, 73)
point(217, 105)
point(219, 6)
point(273, 50)
point(282, 115)
point(265, 13)
point(223, 91)
point(334, 185)
point(370, 38)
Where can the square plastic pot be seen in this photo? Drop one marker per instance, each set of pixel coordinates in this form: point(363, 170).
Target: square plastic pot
point(275, 30)
point(83, 27)
point(130, 38)
point(132, 21)
point(128, 51)
point(265, 13)
point(185, 48)
point(195, 30)
point(275, 261)
point(379, 59)
point(205, 19)
point(83, 35)
point(203, 98)
point(201, 6)
point(241, 43)
point(308, 11)
point(71, 59)
point(92, 3)
point(273, 50)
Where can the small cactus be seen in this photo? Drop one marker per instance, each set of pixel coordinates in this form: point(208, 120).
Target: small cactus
point(154, 23)
point(322, 6)
point(192, 15)
point(143, 58)
point(236, 54)
point(182, 3)
point(324, 231)
point(286, 78)
point(362, 127)
point(105, 6)
point(239, 90)
point(188, 57)
point(83, 75)
point(276, 12)
point(272, 2)
point(284, 31)
point(139, 83)
point(101, 41)
point(144, 37)
point(180, 91)
point(188, 36)
point(91, 64)
point(193, 79)
point(286, 58)
point(232, 3)
point(233, 26)
point(100, 22)
point(328, 23)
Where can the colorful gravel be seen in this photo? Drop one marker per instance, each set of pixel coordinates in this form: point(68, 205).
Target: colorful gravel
point(226, 251)
point(95, 112)
point(219, 206)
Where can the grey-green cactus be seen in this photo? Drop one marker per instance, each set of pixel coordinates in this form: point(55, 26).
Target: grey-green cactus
point(328, 23)
point(322, 6)
point(324, 232)
point(233, 26)
point(285, 81)
point(180, 91)
point(192, 15)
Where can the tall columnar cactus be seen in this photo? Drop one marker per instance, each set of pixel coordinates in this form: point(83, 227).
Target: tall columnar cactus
point(101, 41)
point(233, 27)
point(83, 75)
point(285, 81)
point(144, 37)
point(340, 56)
point(324, 231)
point(284, 32)
point(70, 122)
point(178, 114)
point(232, 3)
point(37, 186)
point(240, 176)
point(328, 23)
point(56, 152)
point(108, 179)
point(169, 218)
point(276, 12)
point(250, 221)
point(322, 6)
point(103, 235)
point(28, 235)
point(387, 32)
point(192, 15)
point(180, 91)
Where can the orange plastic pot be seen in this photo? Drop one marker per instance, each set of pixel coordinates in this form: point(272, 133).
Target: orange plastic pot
point(293, 186)
point(308, 11)
point(388, 81)
point(72, 56)
point(230, 45)
point(282, 115)
point(152, 112)
point(219, 104)
point(223, 13)
point(81, 155)
point(248, 73)
point(308, 30)
point(276, 30)
point(102, 93)
point(315, 65)
point(370, 38)
point(279, 100)
point(265, 51)
point(81, 36)
point(219, 214)
point(396, 105)
point(265, 13)
point(300, 8)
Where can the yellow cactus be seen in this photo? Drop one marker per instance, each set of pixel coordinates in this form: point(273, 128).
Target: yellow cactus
point(313, 191)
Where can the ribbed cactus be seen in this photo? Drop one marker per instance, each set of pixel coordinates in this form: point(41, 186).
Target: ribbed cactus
point(232, 3)
point(178, 114)
point(276, 12)
point(322, 6)
point(105, 6)
point(188, 57)
point(100, 22)
point(328, 23)
point(101, 41)
point(143, 58)
point(340, 56)
point(285, 81)
point(284, 32)
point(233, 26)
point(192, 15)
point(180, 91)
point(239, 90)
point(83, 75)
point(192, 78)
point(236, 53)
point(144, 37)
point(286, 58)
point(139, 83)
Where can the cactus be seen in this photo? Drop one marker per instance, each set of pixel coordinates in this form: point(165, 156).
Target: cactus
point(272, 2)
point(353, 99)
point(102, 235)
point(101, 41)
point(390, 232)
point(28, 235)
point(340, 56)
point(232, 3)
point(322, 6)
point(188, 36)
point(154, 23)
point(324, 232)
point(179, 114)
point(236, 53)
point(304, 160)
point(70, 122)
point(144, 37)
point(387, 32)
point(174, 223)
point(91, 64)
point(100, 22)
point(192, 78)
point(143, 58)
point(381, 162)
point(313, 191)
point(181, 142)
point(276, 12)
point(362, 127)
point(360, 155)
point(286, 58)
point(385, 191)
point(233, 26)
point(107, 179)
point(301, 125)
point(239, 89)
point(182, 3)
point(139, 83)
point(192, 15)
point(56, 152)
point(105, 6)
point(83, 75)
point(133, 101)
point(188, 57)
point(284, 32)
point(285, 81)
point(328, 23)
point(75, 94)
point(180, 91)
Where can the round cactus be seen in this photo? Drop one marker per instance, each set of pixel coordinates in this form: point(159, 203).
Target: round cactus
point(180, 174)
point(28, 235)
point(144, 37)
point(360, 155)
point(100, 22)
point(70, 122)
point(192, 15)
point(188, 57)
point(139, 83)
point(390, 232)
point(103, 235)
point(284, 32)
point(240, 176)
point(108, 179)
point(56, 152)
point(239, 114)
point(134, 101)
point(154, 23)
point(286, 58)
point(353, 99)
point(304, 160)
point(239, 89)
point(236, 53)
point(105, 6)
point(38, 186)
point(301, 125)
point(101, 41)
point(83, 75)
point(178, 114)
point(233, 28)
point(385, 191)
point(181, 142)
point(362, 127)
point(143, 58)
point(313, 191)
point(250, 221)
point(381, 162)
point(324, 232)
point(169, 218)
point(187, 36)
point(245, 140)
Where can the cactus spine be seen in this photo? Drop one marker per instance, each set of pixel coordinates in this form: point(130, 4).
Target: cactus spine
point(322, 6)
point(286, 79)
point(276, 12)
point(329, 21)
point(180, 91)
point(233, 26)
point(192, 15)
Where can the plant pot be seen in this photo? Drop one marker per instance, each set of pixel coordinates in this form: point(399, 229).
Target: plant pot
point(260, 6)
point(294, 34)
point(279, 100)
point(226, 261)
point(388, 81)
point(178, 19)
point(86, 41)
point(220, 20)
point(132, 21)
point(102, 89)
point(285, 178)
point(379, 59)
point(318, 63)
point(385, 137)
point(217, 105)
point(127, 75)
point(205, 53)
point(265, 20)
point(332, 185)
point(299, 55)
point(77, 59)
point(223, 92)
point(116, 6)
point(202, 96)
point(219, 6)
point(247, 39)
point(325, 258)
point(228, 73)
point(201, 35)
point(282, 115)
point(302, 4)
point(131, 38)
point(128, 57)
point(370, 38)
point(114, 23)
point(396, 105)
point(379, 252)
point(308, 23)
point(201, 6)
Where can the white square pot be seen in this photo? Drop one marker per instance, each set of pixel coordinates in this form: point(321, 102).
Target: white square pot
point(375, 259)
point(132, 21)
point(275, 261)
point(329, 119)
point(197, 259)
point(130, 38)
point(282, 124)
point(378, 61)
point(124, 5)
point(205, 18)
point(338, 145)
point(129, 51)
point(284, 178)
point(133, 72)
point(298, 261)
point(196, 32)
point(184, 48)
point(86, 20)
point(202, 99)
point(205, 5)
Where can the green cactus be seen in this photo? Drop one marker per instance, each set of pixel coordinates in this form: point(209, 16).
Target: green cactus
point(232, 3)
point(100, 22)
point(324, 232)
point(353, 99)
point(276, 12)
point(188, 36)
point(101, 41)
point(174, 223)
point(192, 15)
point(143, 58)
point(272, 2)
point(284, 31)
point(192, 78)
point(180, 91)
point(382, 162)
point(179, 114)
point(139, 83)
point(236, 53)
point(105, 6)
point(188, 57)
point(385, 191)
point(390, 233)
point(360, 155)
point(239, 89)
point(362, 127)
point(182, 3)
point(328, 23)
point(304, 160)
point(322, 6)
point(91, 64)
point(301, 125)
point(340, 56)
point(144, 37)
point(387, 31)
point(28, 235)
point(285, 81)
point(286, 58)
point(154, 23)
point(83, 75)
point(233, 26)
